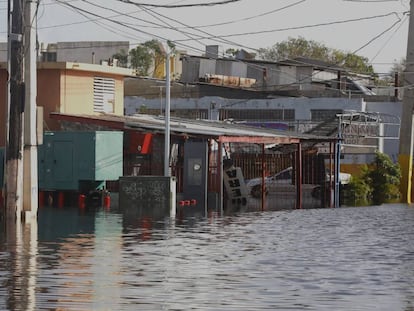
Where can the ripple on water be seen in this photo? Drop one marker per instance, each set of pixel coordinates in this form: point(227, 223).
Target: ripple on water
point(323, 259)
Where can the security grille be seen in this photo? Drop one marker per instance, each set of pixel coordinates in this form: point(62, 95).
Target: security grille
point(103, 94)
point(324, 114)
point(258, 114)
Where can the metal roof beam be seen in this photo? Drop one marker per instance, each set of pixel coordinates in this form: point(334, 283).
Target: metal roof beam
point(258, 140)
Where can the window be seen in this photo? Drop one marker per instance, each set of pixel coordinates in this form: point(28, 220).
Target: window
point(103, 94)
point(258, 114)
point(324, 114)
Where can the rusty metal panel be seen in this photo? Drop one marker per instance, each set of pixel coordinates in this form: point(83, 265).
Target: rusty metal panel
point(235, 81)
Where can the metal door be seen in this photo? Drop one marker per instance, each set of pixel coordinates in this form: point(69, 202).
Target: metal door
point(195, 174)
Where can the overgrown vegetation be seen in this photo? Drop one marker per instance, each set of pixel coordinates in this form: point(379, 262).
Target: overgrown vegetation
point(150, 54)
point(378, 183)
point(300, 47)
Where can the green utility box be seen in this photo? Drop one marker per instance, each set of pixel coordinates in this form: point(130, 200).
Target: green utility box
point(69, 159)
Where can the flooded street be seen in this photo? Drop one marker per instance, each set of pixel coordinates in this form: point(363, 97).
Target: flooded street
point(317, 259)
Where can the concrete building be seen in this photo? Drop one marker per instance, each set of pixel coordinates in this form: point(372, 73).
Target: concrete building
point(88, 52)
point(68, 87)
point(102, 52)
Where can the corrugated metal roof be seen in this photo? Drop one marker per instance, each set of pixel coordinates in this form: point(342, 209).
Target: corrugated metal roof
point(222, 131)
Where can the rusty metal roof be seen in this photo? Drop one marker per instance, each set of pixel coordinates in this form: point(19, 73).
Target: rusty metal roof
point(219, 130)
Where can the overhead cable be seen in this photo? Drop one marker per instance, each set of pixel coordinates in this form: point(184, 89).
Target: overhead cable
point(174, 6)
point(302, 27)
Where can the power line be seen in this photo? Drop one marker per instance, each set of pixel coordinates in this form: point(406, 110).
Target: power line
point(378, 36)
point(153, 14)
point(174, 6)
point(122, 24)
point(302, 27)
point(142, 10)
point(371, 1)
point(218, 37)
point(251, 17)
point(336, 64)
point(134, 28)
point(389, 39)
point(101, 24)
point(188, 34)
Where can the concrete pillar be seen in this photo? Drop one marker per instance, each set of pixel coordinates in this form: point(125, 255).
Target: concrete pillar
point(406, 130)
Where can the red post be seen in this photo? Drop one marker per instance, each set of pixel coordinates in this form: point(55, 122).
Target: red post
point(41, 198)
point(61, 199)
point(107, 200)
point(81, 201)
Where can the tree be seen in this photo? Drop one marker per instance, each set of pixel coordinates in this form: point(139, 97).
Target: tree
point(388, 79)
point(300, 47)
point(141, 60)
point(379, 181)
point(122, 57)
point(293, 48)
point(356, 63)
point(232, 52)
point(398, 66)
point(384, 178)
point(147, 54)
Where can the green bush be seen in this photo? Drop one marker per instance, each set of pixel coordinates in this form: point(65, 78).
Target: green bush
point(357, 191)
point(384, 179)
point(379, 182)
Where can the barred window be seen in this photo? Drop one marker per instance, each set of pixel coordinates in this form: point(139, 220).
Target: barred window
point(180, 113)
point(103, 94)
point(324, 114)
point(190, 113)
point(258, 114)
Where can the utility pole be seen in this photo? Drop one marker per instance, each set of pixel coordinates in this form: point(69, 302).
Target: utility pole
point(21, 150)
point(405, 157)
point(167, 115)
point(30, 166)
point(14, 167)
point(161, 87)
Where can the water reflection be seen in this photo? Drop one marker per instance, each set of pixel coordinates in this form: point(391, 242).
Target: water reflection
point(80, 259)
point(18, 266)
point(126, 259)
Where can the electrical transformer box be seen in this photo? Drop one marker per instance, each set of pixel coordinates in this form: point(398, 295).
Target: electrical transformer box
point(67, 159)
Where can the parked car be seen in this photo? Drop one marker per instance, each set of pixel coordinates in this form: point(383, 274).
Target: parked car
point(344, 179)
point(279, 182)
point(282, 182)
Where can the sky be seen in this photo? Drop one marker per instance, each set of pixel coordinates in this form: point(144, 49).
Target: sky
point(375, 29)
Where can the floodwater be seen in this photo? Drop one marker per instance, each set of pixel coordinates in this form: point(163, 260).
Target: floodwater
point(315, 259)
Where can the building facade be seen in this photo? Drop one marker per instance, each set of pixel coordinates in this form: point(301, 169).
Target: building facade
point(88, 52)
point(67, 87)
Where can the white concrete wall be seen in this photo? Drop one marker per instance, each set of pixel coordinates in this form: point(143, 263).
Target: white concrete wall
point(89, 52)
point(391, 146)
point(3, 52)
point(302, 106)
